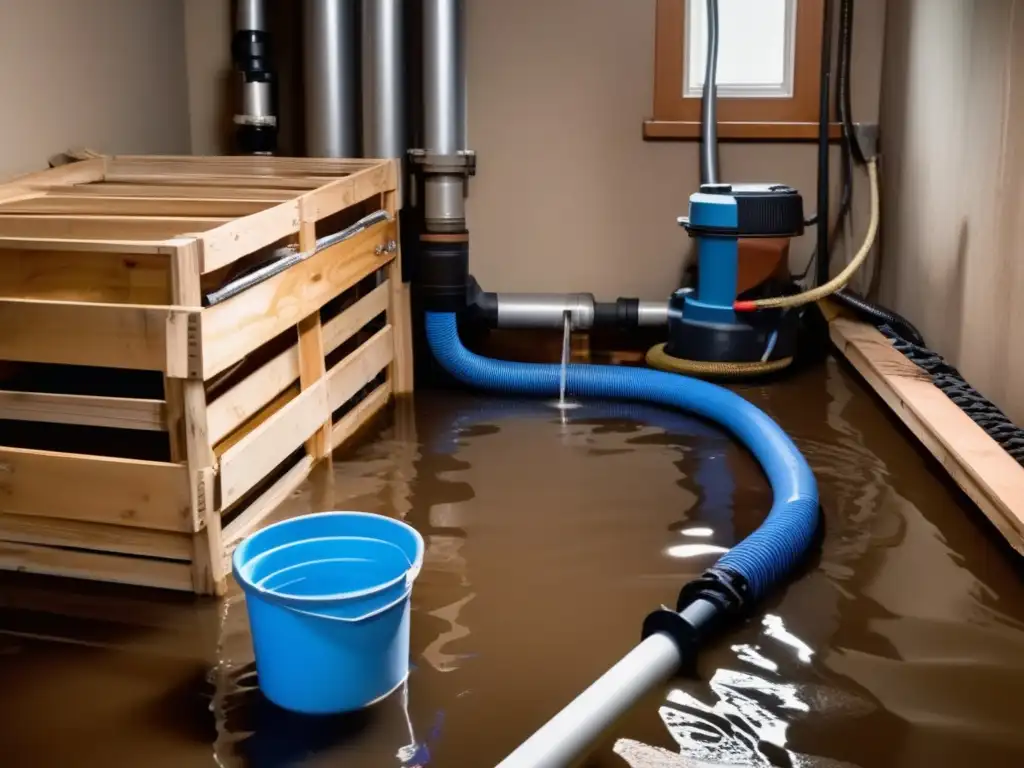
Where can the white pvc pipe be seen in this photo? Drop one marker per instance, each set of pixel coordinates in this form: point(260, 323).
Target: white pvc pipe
point(573, 730)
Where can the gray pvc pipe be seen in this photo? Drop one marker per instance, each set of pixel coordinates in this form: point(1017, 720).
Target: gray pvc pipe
point(329, 34)
point(574, 730)
point(383, 79)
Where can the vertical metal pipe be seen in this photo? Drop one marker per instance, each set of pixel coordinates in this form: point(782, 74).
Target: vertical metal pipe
point(330, 68)
point(444, 111)
point(709, 103)
point(250, 16)
point(383, 79)
point(442, 92)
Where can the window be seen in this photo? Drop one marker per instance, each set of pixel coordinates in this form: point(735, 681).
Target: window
point(769, 57)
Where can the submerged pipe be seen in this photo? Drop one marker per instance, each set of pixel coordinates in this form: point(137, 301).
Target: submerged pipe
point(741, 576)
point(329, 42)
point(383, 79)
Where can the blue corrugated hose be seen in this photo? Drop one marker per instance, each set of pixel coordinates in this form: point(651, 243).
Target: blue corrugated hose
point(765, 557)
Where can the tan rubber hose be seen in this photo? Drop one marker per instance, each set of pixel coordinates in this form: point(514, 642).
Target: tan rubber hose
point(840, 280)
point(658, 358)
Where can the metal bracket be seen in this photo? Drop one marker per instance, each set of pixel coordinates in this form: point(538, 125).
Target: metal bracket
point(461, 163)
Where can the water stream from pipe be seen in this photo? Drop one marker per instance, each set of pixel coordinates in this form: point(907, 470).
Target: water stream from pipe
point(566, 339)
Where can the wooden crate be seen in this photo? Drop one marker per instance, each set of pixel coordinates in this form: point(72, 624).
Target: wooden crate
point(143, 434)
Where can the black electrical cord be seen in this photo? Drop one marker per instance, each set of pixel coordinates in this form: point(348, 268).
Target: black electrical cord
point(823, 142)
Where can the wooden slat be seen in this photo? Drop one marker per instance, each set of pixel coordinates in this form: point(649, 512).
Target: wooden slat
point(253, 457)
point(249, 519)
point(263, 415)
point(234, 328)
point(54, 203)
point(245, 399)
point(89, 410)
point(312, 364)
point(242, 401)
point(353, 421)
point(103, 227)
point(985, 472)
point(146, 494)
point(130, 278)
point(342, 193)
point(344, 325)
point(98, 536)
point(160, 191)
point(233, 241)
point(78, 245)
point(238, 164)
point(358, 369)
point(399, 315)
point(66, 175)
point(81, 333)
point(94, 565)
point(206, 180)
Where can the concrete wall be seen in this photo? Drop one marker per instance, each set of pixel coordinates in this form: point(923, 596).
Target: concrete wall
point(954, 184)
point(569, 196)
point(105, 74)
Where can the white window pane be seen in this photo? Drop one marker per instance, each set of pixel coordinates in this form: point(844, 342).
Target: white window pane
point(755, 47)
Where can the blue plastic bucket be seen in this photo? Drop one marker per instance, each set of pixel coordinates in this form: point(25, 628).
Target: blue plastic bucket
point(328, 603)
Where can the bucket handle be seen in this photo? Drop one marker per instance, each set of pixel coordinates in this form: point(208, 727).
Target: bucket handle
point(355, 619)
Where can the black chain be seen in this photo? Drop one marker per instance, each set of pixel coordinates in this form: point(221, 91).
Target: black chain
point(948, 379)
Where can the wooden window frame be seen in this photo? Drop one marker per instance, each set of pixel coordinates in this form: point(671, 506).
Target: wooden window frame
point(787, 119)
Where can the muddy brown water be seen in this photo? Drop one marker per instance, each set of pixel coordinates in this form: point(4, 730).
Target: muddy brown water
point(550, 536)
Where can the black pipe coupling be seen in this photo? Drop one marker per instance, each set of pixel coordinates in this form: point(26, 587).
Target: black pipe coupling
point(443, 272)
point(705, 605)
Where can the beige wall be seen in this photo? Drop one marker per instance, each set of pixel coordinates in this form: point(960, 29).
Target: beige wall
point(106, 74)
point(954, 184)
point(569, 196)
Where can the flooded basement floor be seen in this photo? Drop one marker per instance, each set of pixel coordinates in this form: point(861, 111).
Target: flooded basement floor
point(549, 538)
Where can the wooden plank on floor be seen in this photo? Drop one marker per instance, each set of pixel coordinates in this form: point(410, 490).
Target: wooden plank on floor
point(360, 368)
point(146, 494)
point(987, 474)
point(80, 534)
point(245, 399)
point(98, 566)
point(354, 420)
point(345, 324)
point(138, 337)
point(235, 327)
point(104, 227)
point(254, 456)
point(95, 205)
point(88, 410)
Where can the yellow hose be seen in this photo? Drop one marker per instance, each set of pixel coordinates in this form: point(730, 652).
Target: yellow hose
point(840, 280)
point(658, 358)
